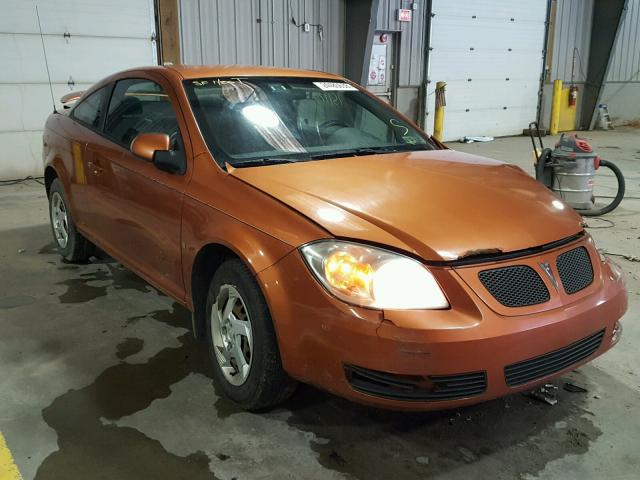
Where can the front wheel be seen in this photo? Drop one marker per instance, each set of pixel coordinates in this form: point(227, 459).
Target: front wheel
point(71, 244)
point(242, 341)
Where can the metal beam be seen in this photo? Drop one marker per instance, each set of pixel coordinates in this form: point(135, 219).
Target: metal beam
point(607, 18)
point(361, 18)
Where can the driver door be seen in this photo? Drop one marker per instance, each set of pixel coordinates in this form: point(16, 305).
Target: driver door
point(146, 202)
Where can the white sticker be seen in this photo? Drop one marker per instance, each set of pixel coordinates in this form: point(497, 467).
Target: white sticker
point(334, 86)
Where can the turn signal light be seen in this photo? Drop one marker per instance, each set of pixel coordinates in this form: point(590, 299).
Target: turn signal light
point(345, 273)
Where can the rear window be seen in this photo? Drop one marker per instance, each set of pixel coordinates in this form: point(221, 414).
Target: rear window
point(89, 110)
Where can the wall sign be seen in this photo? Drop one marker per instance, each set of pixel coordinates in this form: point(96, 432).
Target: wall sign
point(404, 15)
point(378, 65)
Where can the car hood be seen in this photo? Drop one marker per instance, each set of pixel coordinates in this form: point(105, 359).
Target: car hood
point(440, 205)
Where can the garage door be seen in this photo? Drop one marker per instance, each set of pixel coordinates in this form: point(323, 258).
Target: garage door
point(84, 40)
point(490, 55)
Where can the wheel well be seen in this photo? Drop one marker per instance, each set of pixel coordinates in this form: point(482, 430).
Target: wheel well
point(207, 261)
point(49, 176)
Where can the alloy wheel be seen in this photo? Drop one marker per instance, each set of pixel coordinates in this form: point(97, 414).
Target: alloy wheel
point(231, 334)
point(59, 219)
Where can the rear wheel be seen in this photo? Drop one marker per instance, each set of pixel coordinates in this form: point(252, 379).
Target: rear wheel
point(242, 341)
point(71, 244)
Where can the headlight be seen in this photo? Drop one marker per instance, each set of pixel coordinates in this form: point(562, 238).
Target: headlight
point(372, 277)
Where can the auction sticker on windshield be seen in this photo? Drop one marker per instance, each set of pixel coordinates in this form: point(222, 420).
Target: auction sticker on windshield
point(334, 86)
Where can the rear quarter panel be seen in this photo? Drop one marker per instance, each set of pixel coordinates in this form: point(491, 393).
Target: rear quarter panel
point(62, 149)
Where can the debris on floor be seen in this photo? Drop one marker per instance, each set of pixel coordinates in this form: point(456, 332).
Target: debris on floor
point(475, 139)
point(546, 394)
point(573, 388)
point(422, 460)
point(467, 454)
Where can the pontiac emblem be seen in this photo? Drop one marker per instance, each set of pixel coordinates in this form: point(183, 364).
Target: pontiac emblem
point(546, 268)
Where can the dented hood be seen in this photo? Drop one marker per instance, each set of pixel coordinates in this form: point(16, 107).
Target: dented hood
point(440, 205)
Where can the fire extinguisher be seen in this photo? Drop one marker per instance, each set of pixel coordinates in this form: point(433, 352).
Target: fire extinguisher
point(573, 95)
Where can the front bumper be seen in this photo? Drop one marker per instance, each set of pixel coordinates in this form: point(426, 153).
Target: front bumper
point(322, 339)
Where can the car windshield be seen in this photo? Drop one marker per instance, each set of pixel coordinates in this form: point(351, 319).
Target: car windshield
point(263, 120)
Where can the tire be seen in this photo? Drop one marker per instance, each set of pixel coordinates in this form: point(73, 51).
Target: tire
point(264, 383)
point(596, 212)
point(73, 247)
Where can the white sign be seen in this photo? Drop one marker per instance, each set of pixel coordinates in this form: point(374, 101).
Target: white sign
point(334, 86)
point(377, 65)
point(404, 15)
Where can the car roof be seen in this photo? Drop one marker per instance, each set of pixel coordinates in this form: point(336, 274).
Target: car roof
point(204, 71)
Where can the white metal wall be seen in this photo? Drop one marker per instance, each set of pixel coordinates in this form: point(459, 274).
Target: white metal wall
point(102, 38)
point(489, 52)
point(260, 32)
point(571, 39)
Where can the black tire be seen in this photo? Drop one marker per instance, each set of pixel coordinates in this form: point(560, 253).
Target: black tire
point(77, 248)
point(267, 383)
point(596, 212)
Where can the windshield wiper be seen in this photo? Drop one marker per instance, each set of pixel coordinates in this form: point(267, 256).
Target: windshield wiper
point(346, 153)
point(263, 161)
point(369, 151)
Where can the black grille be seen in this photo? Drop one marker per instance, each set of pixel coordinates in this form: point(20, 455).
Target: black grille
point(515, 286)
point(416, 388)
point(552, 362)
point(575, 269)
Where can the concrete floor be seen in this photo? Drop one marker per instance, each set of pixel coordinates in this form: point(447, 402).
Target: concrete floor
point(100, 378)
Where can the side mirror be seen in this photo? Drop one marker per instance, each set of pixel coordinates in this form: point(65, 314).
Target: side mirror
point(156, 147)
point(146, 145)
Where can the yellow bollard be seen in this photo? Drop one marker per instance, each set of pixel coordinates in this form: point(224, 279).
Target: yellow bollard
point(555, 107)
point(438, 118)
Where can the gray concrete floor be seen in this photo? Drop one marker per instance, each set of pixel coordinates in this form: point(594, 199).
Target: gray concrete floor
point(100, 378)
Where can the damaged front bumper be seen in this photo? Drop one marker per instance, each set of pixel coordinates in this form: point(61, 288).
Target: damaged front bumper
point(437, 359)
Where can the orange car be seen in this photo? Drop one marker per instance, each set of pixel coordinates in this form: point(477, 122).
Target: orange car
point(318, 235)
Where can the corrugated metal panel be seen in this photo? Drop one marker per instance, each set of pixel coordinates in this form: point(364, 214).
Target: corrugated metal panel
point(386, 15)
point(411, 38)
point(572, 33)
point(260, 32)
point(625, 61)
point(190, 36)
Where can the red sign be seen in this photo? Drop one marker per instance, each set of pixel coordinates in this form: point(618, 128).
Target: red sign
point(404, 15)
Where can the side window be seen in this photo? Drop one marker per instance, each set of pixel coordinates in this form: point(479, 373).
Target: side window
point(139, 106)
point(89, 111)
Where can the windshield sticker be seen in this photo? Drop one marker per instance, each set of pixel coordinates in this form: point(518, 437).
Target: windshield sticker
point(335, 86)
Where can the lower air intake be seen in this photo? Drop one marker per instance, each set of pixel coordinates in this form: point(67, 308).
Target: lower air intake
point(416, 388)
point(552, 362)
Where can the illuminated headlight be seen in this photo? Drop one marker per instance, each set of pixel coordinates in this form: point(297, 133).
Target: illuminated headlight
point(373, 277)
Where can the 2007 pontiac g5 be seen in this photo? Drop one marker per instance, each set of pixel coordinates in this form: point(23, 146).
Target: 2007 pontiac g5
point(319, 236)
